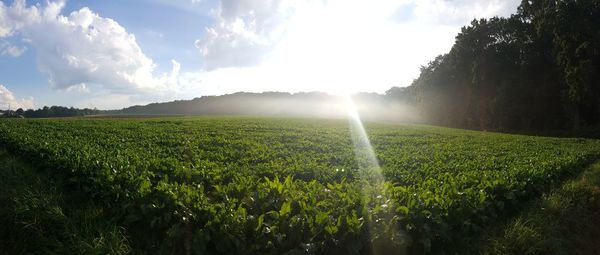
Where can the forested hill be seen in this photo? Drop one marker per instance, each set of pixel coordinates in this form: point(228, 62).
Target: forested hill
point(538, 70)
point(371, 106)
point(267, 103)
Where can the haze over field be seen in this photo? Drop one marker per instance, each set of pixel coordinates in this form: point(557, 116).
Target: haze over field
point(369, 106)
point(116, 54)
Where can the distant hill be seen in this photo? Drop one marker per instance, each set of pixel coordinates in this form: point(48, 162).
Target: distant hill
point(314, 104)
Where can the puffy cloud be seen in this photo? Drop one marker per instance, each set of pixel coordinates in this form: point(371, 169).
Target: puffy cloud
point(8, 99)
point(16, 16)
point(243, 32)
point(84, 49)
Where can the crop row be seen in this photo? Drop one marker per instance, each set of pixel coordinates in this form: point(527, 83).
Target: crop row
point(275, 186)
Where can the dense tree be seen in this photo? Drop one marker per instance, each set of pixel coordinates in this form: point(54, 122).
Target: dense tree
point(53, 111)
point(537, 70)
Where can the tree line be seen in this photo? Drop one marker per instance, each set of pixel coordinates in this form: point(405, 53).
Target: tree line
point(47, 112)
point(538, 70)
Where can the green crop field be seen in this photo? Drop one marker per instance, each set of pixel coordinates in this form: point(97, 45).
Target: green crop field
point(242, 185)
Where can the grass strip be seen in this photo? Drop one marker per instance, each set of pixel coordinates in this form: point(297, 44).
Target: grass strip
point(563, 221)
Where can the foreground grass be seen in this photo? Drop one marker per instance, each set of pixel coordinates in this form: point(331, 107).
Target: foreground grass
point(564, 221)
point(36, 217)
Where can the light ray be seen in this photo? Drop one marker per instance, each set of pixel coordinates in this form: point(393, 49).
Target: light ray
point(380, 222)
point(363, 149)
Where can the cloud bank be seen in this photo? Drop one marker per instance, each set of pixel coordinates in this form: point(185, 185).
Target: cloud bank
point(8, 100)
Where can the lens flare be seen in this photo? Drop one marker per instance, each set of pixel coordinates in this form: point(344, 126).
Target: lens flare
point(365, 156)
point(386, 238)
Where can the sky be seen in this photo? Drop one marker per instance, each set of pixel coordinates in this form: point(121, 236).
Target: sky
point(112, 54)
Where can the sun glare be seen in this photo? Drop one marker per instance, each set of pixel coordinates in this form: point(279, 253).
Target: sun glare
point(338, 47)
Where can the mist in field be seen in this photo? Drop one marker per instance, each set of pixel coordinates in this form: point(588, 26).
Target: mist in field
point(370, 106)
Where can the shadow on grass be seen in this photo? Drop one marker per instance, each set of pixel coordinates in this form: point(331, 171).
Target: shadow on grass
point(36, 217)
point(565, 220)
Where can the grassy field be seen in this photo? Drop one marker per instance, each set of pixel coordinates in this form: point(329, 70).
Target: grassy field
point(242, 185)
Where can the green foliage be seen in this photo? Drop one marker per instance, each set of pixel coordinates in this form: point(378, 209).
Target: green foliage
point(535, 71)
point(293, 186)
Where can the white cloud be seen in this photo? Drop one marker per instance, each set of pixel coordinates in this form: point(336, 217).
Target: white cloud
point(7, 99)
point(84, 49)
point(243, 32)
point(8, 49)
point(14, 17)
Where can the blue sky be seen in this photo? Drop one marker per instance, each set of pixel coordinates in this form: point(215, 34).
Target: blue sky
point(112, 54)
